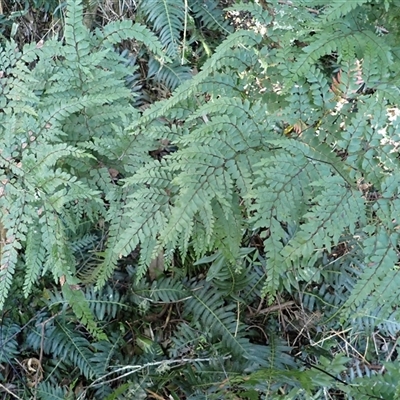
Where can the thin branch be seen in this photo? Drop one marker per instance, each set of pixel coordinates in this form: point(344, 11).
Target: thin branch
point(9, 392)
point(137, 368)
point(278, 307)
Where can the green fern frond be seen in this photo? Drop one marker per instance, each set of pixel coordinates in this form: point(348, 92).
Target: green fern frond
point(59, 257)
point(188, 89)
point(164, 290)
point(167, 18)
point(104, 270)
point(210, 15)
point(104, 304)
point(75, 33)
point(170, 75)
point(35, 256)
point(8, 340)
point(66, 343)
point(154, 204)
point(325, 223)
point(117, 31)
point(376, 385)
point(338, 9)
point(46, 391)
point(207, 305)
point(14, 230)
point(76, 299)
point(256, 10)
point(380, 274)
point(230, 277)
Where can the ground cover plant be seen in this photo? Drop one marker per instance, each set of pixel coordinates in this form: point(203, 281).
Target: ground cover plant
point(200, 203)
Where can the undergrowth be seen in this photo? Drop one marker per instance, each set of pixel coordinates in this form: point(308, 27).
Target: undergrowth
point(199, 208)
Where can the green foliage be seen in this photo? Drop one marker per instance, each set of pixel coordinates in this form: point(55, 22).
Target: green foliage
point(167, 18)
point(282, 185)
point(186, 31)
point(298, 191)
point(62, 127)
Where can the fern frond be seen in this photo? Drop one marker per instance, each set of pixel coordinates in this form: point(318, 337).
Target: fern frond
point(171, 75)
point(65, 342)
point(188, 89)
point(210, 15)
point(348, 211)
point(255, 9)
point(167, 19)
point(104, 304)
point(8, 341)
point(35, 256)
point(75, 33)
point(375, 385)
point(117, 31)
point(168, 290)
point(59, 258)
point(154, 205)
point(76, 299)
point(15, 225)
point(207, 305)
point(337, 9)
point(104, 270)
point(46, 391)
point(230, 277)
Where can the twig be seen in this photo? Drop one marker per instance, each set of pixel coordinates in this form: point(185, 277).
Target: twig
point(237, 319)
point(155, 395)
point(277, 307)
point(137, 368)
point(290, 3)
point(37, 375)
point(331, 336)
point(184, 32)
point(9, 392)
point(312, 10)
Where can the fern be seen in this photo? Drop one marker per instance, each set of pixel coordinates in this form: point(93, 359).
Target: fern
point(71, 346)
point(105, 304)
point(167, 18)
point(58, 338)
point(297, 190)
point(171, 75)
point(9, 343)
point(162, 290)
point(228, 277)
point(81, 309)
point(337, 9)
point(46, 391)
point(210, 15)
point(219, 319)
point(44, 168)
point(284, 142)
